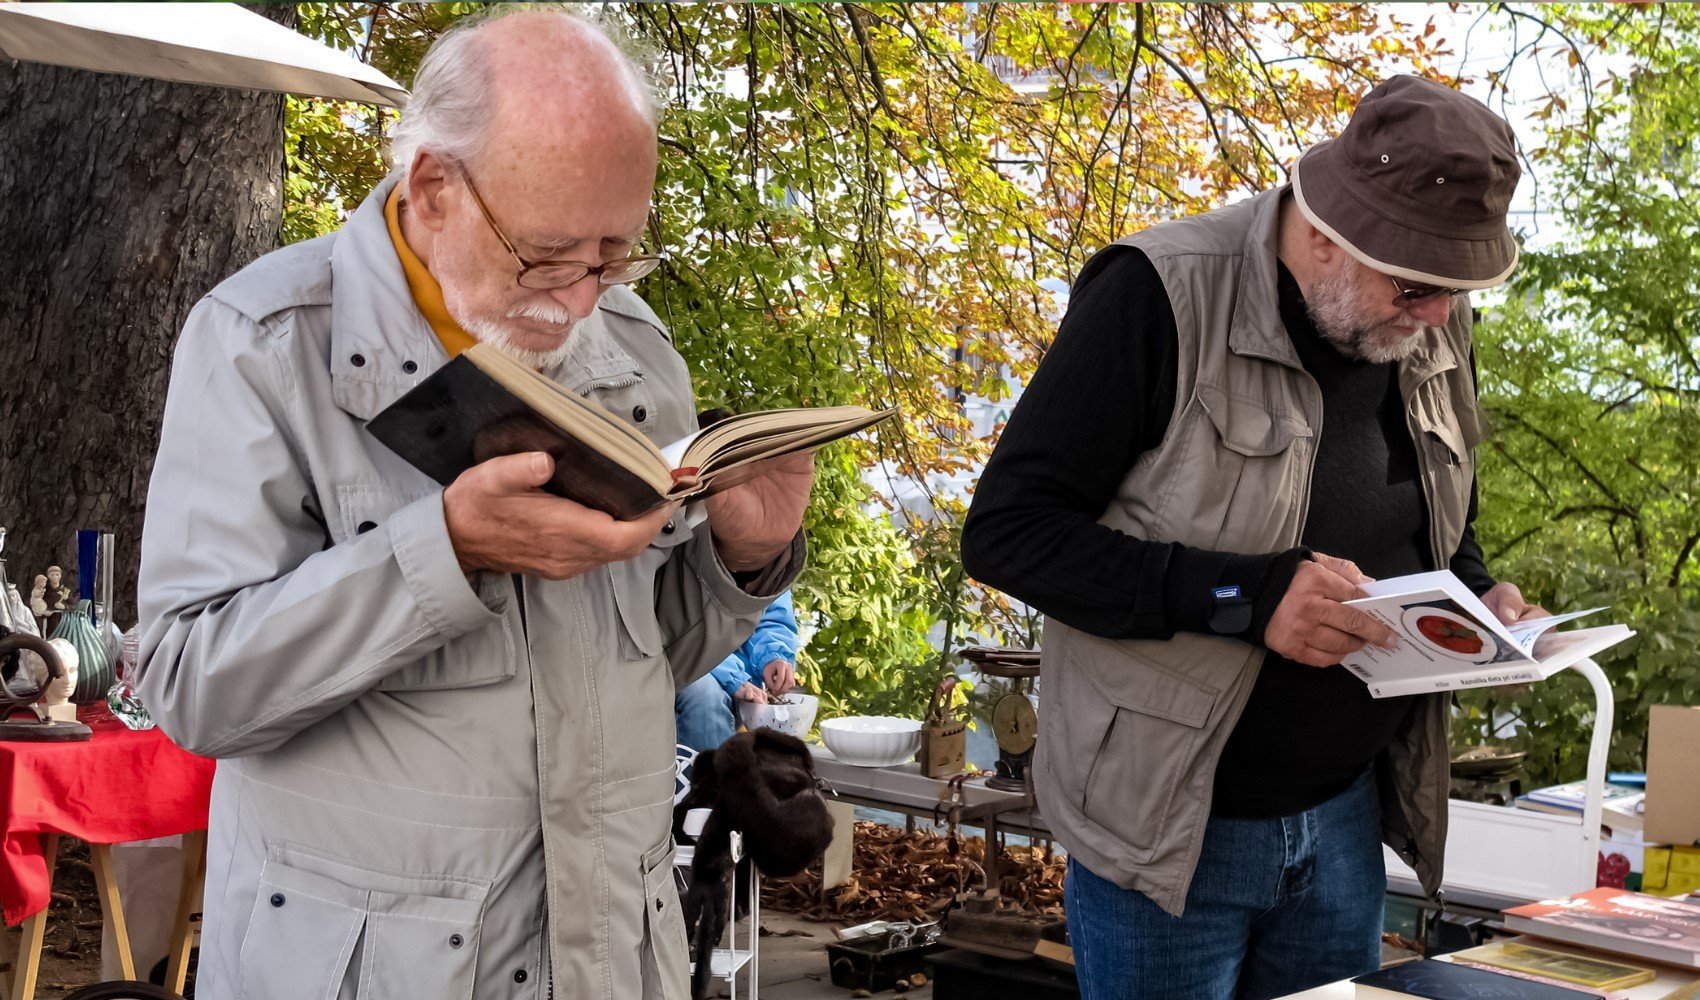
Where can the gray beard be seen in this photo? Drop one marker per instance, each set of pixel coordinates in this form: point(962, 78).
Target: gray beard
point(1332, 305)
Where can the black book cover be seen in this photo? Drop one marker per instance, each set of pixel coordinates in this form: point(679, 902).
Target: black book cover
point(460, 416)
point(1449, 981)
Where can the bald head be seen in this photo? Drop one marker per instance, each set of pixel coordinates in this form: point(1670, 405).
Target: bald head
point(527, 70)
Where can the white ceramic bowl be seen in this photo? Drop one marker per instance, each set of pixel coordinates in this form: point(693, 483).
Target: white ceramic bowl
point(871, 740)
point(793, 715)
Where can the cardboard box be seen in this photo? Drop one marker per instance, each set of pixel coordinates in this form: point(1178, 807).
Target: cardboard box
point(1673, 775)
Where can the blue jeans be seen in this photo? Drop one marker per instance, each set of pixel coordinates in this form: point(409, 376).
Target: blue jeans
point(703, 714)
point(1276, 906)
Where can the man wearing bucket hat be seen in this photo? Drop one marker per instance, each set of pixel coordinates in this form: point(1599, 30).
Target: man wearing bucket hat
point(1243, 415)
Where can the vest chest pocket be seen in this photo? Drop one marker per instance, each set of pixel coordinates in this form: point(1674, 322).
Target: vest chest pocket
point(1242, 476)
point(1446, 429)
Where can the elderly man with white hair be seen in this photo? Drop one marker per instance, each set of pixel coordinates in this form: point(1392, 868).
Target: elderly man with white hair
point(443, 717)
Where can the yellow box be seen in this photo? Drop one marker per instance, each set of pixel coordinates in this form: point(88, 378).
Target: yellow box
point(1655, 868)
point(1685, 859)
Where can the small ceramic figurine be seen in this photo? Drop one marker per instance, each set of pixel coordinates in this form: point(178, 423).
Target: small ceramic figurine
point(38, 597)
point(57, 594)
point(23, 620)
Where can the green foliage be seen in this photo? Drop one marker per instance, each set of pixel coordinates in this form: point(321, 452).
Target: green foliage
point(863, 202)
point(861, 603)
point(1590, 378)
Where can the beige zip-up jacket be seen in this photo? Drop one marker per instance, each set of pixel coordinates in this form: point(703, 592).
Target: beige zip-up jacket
point(429, 785)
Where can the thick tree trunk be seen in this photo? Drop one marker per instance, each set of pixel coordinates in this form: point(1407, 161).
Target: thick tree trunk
point(122, 202)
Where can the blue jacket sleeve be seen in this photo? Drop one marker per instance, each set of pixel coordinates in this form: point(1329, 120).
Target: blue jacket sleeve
point(731, 673)
point(775, 638)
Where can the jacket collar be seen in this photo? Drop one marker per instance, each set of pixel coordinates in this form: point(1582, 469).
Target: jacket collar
point(377, 329)
point(1256, 328)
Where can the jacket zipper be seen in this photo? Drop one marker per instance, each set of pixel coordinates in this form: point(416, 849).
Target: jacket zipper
point(525, 643)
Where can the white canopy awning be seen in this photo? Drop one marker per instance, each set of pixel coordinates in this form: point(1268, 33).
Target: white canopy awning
point(219, 44)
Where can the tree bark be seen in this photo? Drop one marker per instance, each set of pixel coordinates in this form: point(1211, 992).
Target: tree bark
point(122, 201)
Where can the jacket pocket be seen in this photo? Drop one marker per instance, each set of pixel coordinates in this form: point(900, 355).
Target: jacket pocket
point(622, 389)
point(1148, 739)
point(300, 938)
point(666, 954)
point(634, 583)
point(312, 935)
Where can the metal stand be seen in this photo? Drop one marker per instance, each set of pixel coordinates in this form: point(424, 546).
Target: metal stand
point(725, 963)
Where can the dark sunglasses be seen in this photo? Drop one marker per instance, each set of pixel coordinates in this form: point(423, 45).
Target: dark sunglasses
point(1410, 294)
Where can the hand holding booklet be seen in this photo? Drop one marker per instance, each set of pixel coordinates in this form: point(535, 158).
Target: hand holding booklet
point(484, 404)
point(1447, 639)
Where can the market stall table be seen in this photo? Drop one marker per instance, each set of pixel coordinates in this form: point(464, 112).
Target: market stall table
point(903, 788)
point(117, 787)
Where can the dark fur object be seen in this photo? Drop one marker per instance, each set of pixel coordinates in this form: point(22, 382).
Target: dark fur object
point(763, 785)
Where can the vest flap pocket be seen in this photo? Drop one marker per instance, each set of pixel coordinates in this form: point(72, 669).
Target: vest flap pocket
point(1247, 426)
point(1440, 429)
point(1144, 748)
point(1131, 681)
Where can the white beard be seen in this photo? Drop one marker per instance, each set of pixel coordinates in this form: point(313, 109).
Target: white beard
point(501, 336)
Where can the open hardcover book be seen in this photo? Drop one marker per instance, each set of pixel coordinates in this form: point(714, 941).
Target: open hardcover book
point(484, 404)
point(1448, 639)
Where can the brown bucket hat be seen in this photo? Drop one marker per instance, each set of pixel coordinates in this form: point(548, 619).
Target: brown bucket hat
point(1416, 186)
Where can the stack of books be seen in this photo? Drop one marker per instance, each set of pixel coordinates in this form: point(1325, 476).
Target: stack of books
point(1618, 922)
point(1621, 807)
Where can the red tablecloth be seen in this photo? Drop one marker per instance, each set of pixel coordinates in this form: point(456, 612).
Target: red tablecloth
point(120, 786)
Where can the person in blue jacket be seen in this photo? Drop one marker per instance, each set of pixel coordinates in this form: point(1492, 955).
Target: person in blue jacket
point(766, 663)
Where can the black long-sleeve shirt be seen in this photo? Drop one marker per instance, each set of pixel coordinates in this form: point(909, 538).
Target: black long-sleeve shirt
point(1102, 397)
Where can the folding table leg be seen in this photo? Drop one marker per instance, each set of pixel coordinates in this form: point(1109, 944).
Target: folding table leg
point(34, 931)
point(100, 856)
point(182, 934)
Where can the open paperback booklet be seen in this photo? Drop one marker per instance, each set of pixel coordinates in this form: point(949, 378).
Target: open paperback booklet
point(1448, 639)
